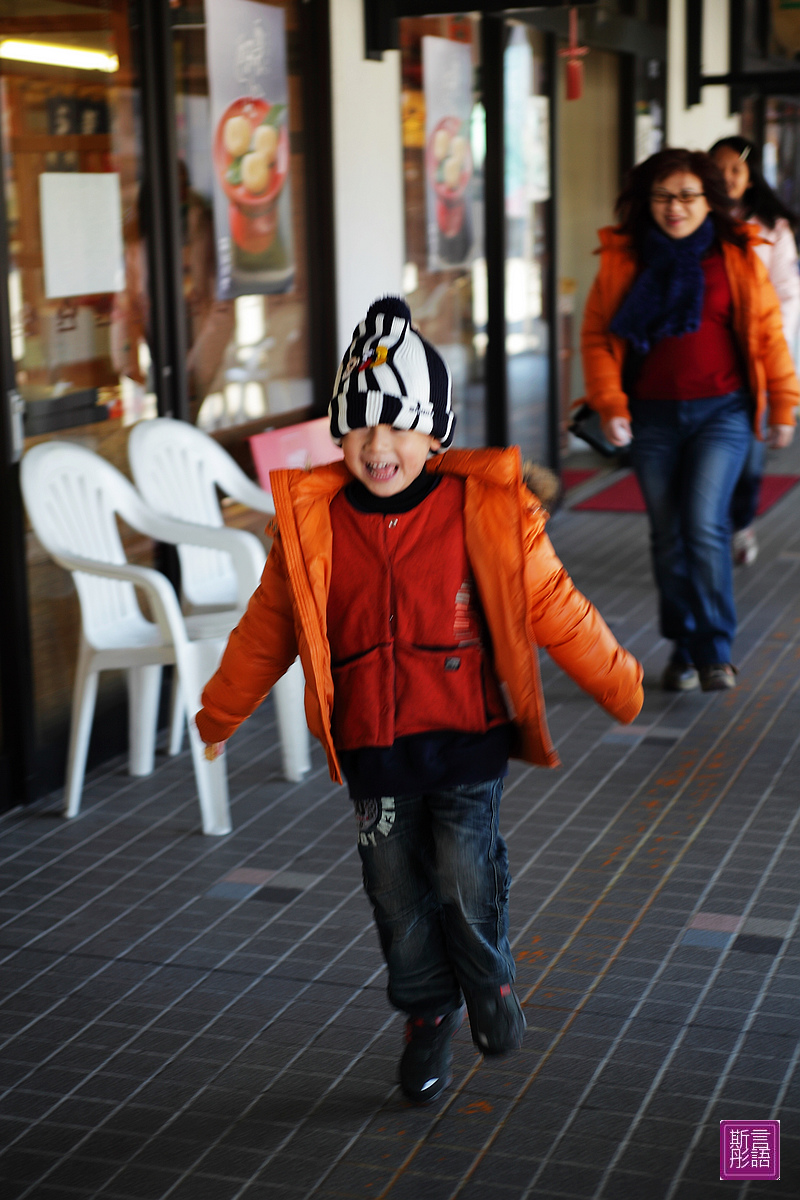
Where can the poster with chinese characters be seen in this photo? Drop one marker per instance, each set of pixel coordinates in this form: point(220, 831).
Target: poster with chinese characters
point(449, 168)
point(247, 76)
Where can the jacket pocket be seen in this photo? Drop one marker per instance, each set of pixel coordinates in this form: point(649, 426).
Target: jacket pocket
point(439, 689)
point(364, 700)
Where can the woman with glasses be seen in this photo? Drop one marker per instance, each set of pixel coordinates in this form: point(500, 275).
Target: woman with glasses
point(683, 353)
point(755, 201)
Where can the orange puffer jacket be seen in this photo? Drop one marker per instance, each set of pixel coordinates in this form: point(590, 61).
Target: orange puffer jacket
point(757, 325)
point(527, 597)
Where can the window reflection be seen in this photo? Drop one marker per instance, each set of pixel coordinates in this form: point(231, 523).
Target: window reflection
point(248, 357)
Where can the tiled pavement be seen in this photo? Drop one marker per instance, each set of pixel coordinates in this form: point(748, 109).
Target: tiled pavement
point(195, 1018)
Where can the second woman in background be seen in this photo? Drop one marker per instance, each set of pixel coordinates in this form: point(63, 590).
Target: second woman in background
point(756, 203)
point(683, 351)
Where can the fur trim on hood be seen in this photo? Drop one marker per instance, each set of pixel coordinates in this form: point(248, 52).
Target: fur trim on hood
point(542, 482)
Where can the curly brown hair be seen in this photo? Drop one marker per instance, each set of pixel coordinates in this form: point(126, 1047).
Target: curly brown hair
point(633, 203)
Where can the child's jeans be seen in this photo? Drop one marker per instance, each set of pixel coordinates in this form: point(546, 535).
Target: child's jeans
point(436, 871)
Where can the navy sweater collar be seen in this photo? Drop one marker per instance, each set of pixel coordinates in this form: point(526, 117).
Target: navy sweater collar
point(364, 500)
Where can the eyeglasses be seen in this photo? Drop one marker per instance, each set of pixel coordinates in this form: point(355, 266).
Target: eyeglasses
point(683, 198)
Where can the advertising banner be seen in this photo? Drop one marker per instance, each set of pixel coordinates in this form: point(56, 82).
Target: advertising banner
point(247, 78)
point(449, 169)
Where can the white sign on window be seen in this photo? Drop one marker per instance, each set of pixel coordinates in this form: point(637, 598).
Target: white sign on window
point(82, 247)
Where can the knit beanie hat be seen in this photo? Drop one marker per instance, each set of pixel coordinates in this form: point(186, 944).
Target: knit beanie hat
point(392, 375)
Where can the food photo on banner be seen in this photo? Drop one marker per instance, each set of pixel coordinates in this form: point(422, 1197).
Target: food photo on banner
point(449, 167)
point(246, 54)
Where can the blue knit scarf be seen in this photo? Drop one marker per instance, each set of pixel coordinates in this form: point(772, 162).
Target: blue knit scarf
point(666, 299)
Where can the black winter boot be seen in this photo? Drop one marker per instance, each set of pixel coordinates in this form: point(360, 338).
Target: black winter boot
point(428, 1056)
point(496, 1020)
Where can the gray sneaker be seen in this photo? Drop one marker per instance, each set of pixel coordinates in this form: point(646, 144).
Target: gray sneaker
point(718, 677)
point(680, 677)
point(744, 547)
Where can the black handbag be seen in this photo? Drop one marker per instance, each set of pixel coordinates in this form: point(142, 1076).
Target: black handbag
point(585, 424)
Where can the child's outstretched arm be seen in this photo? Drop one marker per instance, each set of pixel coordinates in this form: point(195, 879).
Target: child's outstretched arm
point(574, 634)
point(260, 650)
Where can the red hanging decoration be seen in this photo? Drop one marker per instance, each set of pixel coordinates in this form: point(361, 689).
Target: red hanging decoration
point(574, 55)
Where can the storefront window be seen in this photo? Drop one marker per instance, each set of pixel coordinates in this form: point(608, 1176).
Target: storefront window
point(770, 33)
point(780, 156)
point(77, 282)
point(443, 156)
point(771, 40)
point(72, 174)
point(240, 122)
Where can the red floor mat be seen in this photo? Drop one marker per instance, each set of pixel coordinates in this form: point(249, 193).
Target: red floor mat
point(624, 494)
point(573, 476)
point(772, 488)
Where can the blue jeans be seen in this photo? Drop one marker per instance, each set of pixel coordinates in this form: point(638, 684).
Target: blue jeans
point(436, 871)
point(687, 456)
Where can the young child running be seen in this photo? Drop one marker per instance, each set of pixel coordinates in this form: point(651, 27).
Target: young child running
point(416, 586)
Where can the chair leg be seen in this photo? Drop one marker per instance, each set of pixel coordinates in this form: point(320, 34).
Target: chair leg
point(144, 689)
point(84, 695)
point(177, 716)
point(292, 727)
point(196, 662)
point(212, 786)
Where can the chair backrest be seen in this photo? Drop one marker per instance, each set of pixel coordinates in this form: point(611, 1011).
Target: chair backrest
point(72, 497)
point(178, 469)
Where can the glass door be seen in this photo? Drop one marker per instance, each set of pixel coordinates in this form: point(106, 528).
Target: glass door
point(527, 239)
point(5, 765)
point(589, 170)
point(78, 306)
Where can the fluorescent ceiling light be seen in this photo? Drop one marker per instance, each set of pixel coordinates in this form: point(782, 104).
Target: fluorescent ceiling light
point(59, 56)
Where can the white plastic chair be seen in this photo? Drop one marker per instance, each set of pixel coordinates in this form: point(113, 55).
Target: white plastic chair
point(73, 497)
point(178, 470)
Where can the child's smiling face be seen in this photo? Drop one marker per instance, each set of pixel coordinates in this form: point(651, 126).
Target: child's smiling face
point(386, 460)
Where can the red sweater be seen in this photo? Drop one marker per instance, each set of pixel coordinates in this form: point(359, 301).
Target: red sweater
point(701, 364)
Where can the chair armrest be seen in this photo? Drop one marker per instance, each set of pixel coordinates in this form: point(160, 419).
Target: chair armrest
point(244, 548)
point(233, 481)
point(249, 493)
point(159, 590)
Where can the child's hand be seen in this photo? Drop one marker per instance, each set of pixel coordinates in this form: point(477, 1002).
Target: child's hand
point(213, 750)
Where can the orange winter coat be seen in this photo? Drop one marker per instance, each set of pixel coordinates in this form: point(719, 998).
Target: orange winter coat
point(527, 598)
point(757, 326)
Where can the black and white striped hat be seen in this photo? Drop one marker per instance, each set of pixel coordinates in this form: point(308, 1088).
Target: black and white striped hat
point(392, 376)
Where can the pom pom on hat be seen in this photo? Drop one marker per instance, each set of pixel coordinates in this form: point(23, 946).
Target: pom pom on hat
point(391, 375)
point(392, 306)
